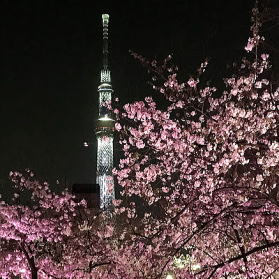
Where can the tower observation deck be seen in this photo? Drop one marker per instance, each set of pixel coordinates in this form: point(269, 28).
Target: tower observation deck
point(105, 129)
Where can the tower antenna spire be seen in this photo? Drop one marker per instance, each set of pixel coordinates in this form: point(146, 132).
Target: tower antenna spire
point(105, 18)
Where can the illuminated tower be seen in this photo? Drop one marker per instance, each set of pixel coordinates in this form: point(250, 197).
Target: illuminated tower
point(105, 128)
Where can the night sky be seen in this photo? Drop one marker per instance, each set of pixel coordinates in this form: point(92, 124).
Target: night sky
point(51, 58)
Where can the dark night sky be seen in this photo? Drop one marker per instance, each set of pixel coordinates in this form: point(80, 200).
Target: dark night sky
point(51, 58)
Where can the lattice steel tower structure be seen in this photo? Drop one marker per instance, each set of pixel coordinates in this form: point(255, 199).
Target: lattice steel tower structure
point(105, 129)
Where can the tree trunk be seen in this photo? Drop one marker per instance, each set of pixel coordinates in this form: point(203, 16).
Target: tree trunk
point(31, 262)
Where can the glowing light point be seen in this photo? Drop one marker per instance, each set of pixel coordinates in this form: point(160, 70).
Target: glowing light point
point(105, 118)
point(170, 276)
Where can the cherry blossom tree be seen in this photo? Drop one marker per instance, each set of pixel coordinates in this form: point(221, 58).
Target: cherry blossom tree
point(53, 235)
point(26, 230)
point(200, 177)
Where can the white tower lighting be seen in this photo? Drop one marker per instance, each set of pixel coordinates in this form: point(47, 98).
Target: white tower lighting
point(105, 129)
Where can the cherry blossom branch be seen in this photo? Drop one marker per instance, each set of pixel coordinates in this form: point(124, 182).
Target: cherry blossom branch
point(239, 257)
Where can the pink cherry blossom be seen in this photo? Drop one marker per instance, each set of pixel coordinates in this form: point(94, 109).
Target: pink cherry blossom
point(206, 181)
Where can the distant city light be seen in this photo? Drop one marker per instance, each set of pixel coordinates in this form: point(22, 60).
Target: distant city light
point(196, 267)
point(85, 144)
point(170, 276)
point(22, 270)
